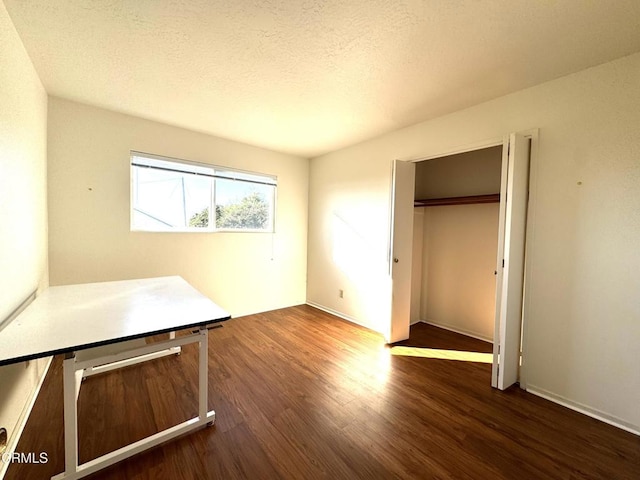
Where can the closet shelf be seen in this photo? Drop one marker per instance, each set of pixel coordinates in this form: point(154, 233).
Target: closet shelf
point(436, 202)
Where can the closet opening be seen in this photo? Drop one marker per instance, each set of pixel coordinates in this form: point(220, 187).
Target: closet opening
point(455, 240)
point(457, 256)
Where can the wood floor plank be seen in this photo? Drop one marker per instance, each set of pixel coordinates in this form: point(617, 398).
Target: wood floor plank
point(301, 394)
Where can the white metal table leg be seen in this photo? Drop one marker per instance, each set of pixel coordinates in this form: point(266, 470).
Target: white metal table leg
point(70, 386)
point(72, 374)
point(203, 376)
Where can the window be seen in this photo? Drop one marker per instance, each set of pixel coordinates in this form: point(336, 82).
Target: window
point(173, 195)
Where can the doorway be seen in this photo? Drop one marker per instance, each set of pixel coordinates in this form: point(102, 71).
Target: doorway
point(510, 201)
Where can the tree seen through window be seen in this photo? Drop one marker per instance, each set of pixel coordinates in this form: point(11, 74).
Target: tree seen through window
point(250, 213)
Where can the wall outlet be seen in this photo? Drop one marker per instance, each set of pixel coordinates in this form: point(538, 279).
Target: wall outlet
point(341, 293)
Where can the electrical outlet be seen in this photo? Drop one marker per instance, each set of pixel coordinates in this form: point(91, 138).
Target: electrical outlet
point(341, 293)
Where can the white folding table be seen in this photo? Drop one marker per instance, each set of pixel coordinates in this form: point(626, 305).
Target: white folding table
point(85, 318)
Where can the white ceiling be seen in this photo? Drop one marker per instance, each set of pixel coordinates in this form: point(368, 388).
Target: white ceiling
point(311, 76)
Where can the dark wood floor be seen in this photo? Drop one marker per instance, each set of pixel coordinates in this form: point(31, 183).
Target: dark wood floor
point(301, 394)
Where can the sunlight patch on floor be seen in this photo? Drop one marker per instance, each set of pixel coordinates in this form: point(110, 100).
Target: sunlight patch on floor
point(442, 354)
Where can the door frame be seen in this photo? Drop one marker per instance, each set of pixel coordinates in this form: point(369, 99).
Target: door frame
point(533, 135)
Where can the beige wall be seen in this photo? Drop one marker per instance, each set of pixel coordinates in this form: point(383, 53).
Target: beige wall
point(583, 314)
point(459, 260)
point(23, 207)
point(89, 191)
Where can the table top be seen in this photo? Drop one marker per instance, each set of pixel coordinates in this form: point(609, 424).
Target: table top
point(75, 317)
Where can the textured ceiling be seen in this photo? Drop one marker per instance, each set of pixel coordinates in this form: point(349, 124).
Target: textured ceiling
point(311, 76)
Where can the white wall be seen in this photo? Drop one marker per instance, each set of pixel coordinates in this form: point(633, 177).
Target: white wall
point(89, 192)
point(583, 311)
point(23, 208)
point(459, 260)
point(348, 237)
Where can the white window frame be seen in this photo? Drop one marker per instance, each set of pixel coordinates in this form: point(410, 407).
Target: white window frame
point(141, 160)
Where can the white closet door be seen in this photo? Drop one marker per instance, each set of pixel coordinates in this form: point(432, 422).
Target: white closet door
point(511, 250)
point(403, 187)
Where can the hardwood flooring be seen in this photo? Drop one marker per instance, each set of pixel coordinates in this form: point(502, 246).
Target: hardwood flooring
point(300, 394)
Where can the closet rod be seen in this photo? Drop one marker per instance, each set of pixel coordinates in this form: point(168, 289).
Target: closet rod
point(436, 202)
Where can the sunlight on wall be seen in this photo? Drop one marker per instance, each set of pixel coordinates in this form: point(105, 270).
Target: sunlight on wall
point(351, 251)
point(364, 265)
point(442, 354)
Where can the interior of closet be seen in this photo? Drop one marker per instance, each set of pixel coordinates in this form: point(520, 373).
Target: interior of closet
point(455, 242)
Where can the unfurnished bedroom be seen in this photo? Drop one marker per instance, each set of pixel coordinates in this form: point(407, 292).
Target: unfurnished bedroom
point(305, 240)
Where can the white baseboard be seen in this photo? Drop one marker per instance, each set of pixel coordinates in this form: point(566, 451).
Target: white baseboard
point(22, 421)
point(340, 315)
point(584, 409)
point(459, 330)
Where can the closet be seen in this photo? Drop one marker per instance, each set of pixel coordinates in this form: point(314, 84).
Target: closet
point(455, 240)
